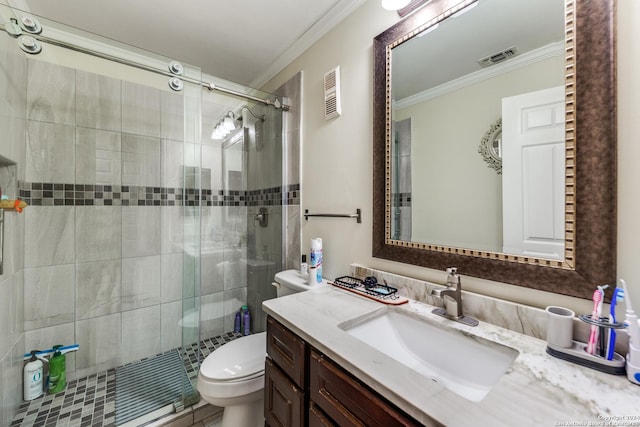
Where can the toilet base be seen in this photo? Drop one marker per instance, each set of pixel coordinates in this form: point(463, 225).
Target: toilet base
point(250, 414)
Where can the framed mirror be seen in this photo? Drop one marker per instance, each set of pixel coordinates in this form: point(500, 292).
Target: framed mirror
point(417, 88)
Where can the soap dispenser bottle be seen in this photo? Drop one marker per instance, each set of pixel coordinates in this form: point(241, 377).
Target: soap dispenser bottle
point(33, 377)
point(57, 371)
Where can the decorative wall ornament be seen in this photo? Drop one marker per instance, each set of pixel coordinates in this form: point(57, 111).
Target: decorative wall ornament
point(491, 146)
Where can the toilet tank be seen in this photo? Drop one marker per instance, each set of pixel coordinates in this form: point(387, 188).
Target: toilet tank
point(291, 281)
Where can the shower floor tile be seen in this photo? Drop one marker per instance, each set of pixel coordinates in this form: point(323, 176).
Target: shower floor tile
point(91, 401)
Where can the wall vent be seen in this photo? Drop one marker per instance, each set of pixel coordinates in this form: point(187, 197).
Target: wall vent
point(332, 94)
point(497, 57)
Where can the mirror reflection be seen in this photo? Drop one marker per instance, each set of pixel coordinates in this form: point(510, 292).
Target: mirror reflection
point(497, 61)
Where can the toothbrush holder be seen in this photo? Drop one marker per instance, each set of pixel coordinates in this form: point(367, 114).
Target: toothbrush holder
point(577, 352)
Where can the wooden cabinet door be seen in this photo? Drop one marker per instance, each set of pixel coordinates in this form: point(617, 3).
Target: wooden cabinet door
point(287, 350)
point(348, 402)
point(283, 400)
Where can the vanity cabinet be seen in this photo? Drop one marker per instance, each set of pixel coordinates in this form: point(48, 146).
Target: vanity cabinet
point(303, 387)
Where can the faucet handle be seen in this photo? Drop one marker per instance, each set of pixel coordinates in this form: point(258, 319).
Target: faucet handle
point(452, 270)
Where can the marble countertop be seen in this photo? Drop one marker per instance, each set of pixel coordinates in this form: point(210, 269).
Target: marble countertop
point(537, 390)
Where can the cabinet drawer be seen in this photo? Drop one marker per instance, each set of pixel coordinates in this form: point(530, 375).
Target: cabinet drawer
point(287, 350)
point(283, 400)
point(317, 418)
point(348, 402)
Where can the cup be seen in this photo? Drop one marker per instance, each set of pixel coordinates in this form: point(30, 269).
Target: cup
point(559, 326)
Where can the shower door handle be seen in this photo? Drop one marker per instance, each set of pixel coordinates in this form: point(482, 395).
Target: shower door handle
point(262, 217)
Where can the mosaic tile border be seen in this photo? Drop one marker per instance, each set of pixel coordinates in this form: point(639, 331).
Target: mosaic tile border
point(400, 199)
point(91, 401)
point(60, 194)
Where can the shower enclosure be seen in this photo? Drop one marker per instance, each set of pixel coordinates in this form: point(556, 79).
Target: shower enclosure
point(144, 232)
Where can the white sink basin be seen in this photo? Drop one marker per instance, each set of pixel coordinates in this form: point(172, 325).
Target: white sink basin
point(466, 365)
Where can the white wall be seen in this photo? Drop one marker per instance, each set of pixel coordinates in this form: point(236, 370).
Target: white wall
point(337, 154)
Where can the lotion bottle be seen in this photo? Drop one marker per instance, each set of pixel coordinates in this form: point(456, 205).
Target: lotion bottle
point(33, 377)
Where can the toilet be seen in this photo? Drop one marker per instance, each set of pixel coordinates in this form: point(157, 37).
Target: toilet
point(232, 376)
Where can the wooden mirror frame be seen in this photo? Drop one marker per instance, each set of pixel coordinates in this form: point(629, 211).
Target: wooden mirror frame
point(590, 219)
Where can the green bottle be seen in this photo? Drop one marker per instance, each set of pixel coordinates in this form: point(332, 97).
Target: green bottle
point(57, 374)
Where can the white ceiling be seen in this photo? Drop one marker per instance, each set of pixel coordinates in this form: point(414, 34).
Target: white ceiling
point(244, 41)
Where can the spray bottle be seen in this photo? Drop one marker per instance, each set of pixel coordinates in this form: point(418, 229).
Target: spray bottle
point(33, 377)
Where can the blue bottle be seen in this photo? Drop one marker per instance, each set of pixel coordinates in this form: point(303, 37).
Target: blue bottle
point(236, 323)
point(246, 321)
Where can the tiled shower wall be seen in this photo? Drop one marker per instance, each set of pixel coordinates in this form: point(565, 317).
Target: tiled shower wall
point(104, 229)
point(13, 84)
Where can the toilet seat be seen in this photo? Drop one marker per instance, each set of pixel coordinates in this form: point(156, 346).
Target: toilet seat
point(239, 360)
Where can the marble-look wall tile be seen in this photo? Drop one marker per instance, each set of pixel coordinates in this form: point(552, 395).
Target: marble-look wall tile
point(140, 231)
point(98, 157)
point(50, 93)
point(190, 320)
point(170, 329)
point(212, 270)
point(98, 101)
point(13, 238)
point(172, 123)
point(294, 251)
point(13, 79)
point(11, 310)
point(293, 157)
point(100, 340)
point(212, 314)
point(49, 234)
point(140, 282)
point(141, 161)
point(7, 286)
point(212, 160)
point(98, 233)
point(140, 342)
point(173, 229)
point(171, 276)
point(11, 379)
point(50, 153)
point(98, 288)
point(172, 163)
point(140, 109)
point(48, 296)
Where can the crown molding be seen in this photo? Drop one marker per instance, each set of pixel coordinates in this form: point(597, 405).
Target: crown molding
point(321, 27)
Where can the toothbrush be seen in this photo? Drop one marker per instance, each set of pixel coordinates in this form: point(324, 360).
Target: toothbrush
point(595, 316)
point(618, 296)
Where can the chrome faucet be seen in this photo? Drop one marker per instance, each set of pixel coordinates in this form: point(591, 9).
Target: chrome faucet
point(452, 299)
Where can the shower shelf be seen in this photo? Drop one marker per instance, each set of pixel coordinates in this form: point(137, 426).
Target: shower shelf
point(356, 215)
point(16, 205)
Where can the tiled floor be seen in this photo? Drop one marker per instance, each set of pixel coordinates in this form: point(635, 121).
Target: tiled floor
point(90, 401)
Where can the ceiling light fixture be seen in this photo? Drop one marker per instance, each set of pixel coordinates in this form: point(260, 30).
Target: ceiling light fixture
point(225, 126)
point(394, 4)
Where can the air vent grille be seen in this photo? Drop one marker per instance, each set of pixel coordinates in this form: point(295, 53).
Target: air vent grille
point(496, 58)
point(332, 94)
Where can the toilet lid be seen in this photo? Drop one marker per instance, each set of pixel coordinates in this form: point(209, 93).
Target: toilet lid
point(237, 359)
